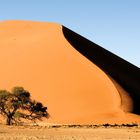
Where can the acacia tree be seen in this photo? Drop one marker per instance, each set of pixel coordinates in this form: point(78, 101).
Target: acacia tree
point(17, 105)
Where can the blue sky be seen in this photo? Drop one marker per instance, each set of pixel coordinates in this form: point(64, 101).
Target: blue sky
point(113, 24)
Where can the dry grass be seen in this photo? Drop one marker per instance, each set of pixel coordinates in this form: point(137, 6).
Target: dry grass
point(69, 132)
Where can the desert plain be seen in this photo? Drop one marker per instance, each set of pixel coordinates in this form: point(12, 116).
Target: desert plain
point(68, 133)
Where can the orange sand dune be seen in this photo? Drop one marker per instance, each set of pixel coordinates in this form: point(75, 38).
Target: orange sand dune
point(37, 56)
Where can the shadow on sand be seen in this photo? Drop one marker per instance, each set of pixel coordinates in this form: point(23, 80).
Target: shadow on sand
point(125, 73)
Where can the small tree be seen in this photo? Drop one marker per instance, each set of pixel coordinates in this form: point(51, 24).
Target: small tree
point(17, 105)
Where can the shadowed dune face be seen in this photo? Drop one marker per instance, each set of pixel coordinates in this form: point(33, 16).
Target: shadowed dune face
point(126, 74)
point(38, 57)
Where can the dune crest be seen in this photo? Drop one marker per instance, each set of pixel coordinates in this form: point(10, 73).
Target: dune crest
point(37, 56)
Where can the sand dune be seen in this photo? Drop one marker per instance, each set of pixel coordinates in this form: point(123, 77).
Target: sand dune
point(37, 56)
point(123, 72)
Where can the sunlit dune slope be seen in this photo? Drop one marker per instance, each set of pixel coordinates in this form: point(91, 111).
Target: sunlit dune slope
point(37, 56)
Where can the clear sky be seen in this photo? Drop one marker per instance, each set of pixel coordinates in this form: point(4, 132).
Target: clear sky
point(113, 24)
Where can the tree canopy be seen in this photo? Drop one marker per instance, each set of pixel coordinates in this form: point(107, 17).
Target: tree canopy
point(17, 105)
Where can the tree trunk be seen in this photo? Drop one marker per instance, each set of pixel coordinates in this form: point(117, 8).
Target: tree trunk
point(9, 120)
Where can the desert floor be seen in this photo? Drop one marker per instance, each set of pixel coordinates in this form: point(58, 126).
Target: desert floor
point(68, 133)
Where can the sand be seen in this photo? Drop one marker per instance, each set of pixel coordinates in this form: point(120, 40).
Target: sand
point(40, 133)
point(37, 56)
